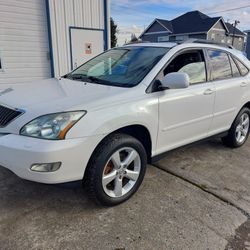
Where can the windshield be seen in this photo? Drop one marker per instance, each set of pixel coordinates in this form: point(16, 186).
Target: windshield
point(124, 67)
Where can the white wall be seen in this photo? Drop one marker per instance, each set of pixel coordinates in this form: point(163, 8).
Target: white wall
point(23, 41)
point(77, 13)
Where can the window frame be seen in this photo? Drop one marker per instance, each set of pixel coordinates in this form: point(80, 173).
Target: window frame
point(230, 60)
point(235, 59)
point(230, 55)
point(150, 88)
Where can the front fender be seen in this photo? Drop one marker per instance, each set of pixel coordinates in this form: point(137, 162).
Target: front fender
point(105, 121)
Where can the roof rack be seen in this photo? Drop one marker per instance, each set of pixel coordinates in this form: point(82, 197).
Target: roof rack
point(135, 42)
point(208, 42)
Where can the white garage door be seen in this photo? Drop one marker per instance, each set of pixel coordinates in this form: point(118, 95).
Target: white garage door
point(23, 41)
point(85, 44)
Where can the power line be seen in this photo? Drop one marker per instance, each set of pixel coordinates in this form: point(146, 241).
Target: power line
point(238, 8)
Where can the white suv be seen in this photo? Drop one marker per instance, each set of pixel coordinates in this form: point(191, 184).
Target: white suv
point(105, 120)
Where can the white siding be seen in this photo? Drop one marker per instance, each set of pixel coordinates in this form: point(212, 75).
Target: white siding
point(23, 41)
point(66, 13)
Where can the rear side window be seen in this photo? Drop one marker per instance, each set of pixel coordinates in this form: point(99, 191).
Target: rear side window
point(221, 68)
point(191, 63)
point(243, 69)
point(235, 70)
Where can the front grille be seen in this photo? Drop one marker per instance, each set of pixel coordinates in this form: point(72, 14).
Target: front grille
point(7, 115)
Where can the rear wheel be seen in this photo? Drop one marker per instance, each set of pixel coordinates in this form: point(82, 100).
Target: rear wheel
point(239, 130)
point(116, 169)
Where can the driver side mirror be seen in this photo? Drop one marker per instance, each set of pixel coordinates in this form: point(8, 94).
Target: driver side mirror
point(175, 80)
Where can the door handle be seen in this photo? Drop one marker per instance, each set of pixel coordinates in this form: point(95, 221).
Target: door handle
point(208, 92)
point(243, 84)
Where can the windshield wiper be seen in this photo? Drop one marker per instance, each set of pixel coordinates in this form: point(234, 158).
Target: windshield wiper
point(96, 80)
point(85, 78)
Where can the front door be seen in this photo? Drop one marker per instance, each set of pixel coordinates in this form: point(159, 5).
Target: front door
point(85, 44)
point(185, 115)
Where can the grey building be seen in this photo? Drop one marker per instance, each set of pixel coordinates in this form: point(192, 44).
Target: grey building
point(195, 25)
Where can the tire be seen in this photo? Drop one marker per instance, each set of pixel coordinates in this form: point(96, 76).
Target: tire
point(239, 131)
point(111, 161)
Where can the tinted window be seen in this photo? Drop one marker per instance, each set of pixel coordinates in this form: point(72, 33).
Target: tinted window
point(124, 67)
point(221, 68)
point(235, 69)
point(192, 63)
point(243, 69)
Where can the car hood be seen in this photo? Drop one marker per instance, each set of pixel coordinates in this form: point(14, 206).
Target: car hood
point(53, 95)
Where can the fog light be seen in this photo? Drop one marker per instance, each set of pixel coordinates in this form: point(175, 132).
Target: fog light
point(46, 167)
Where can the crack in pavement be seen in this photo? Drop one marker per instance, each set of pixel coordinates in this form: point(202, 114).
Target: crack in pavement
point(241, 239)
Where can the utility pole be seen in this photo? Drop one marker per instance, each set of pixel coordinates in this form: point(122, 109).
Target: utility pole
point(236, 22)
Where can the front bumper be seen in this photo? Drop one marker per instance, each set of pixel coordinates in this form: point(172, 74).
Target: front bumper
point(18, 153)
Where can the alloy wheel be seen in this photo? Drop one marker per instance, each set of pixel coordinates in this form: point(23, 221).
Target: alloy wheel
point(242, 128)
point(121, 172)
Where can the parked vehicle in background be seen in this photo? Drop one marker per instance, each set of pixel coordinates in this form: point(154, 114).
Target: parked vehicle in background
point(105, 120)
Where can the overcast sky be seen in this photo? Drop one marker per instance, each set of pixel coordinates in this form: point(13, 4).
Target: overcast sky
point(132, 16)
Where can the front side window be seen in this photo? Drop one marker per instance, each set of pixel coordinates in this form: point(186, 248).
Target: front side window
point(123, 67)
point(192, 63)
point(220, 65)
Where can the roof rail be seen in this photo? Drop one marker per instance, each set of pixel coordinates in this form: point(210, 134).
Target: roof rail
point(135, 42)
point(208, 42)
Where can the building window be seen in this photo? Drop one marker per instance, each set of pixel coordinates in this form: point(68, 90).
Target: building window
point(163, 38)
point(229, 40)
point(212, 36)
point(181, 38)
point(240, 39)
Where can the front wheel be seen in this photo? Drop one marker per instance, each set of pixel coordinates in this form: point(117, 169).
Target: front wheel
point(239, 130)
point(116, 169)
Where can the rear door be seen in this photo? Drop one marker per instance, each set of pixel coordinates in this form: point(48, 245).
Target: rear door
point(229, 85)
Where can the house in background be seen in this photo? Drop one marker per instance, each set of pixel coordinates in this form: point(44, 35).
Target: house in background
point(195, 25)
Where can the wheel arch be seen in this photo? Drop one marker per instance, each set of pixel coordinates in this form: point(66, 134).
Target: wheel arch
point(138, 131)
point(141, 133)
point(246, 105)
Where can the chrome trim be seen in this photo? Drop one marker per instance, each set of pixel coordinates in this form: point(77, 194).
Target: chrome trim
point(22, 111)
point(10, 107)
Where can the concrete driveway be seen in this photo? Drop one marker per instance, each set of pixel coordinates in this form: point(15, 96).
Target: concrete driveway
point(195, 198)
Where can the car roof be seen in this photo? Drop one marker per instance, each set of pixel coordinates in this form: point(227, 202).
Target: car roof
point(147, 44)
point(186, 44)
point(192, 45)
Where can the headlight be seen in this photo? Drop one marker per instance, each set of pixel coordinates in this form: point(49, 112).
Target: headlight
point(53, 126)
